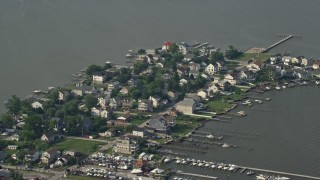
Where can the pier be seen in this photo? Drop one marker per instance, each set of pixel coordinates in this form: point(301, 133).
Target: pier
point(279, 172)
point(278, 43)
point(197, 175)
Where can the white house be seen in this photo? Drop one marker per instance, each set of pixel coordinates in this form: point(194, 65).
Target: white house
point(212, 87)
point(183, 81)
point(203, 94)
point(166, 45)
point(98, 77)
point(316, 64)
point(63, 95)
point(211, 69)
point(155, 101)
point(36, 105)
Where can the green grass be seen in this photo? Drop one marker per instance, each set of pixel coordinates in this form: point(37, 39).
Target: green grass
point(137, 121)
point(232, 65)
point(83, 146)
point(257, 56)
point(234, 97)
point(219, 106)
point(184, 126)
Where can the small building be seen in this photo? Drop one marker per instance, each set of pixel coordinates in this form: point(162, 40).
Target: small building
point(12, 147)
point(211, 69)
point(145, 105)
point(50, 155)
point(109, 133)
point(155, 101)
point(50, 137)
point(99, 77)
point(173, 96)
point(61, 161)
point(140, 132)
point(158, 123)
point(125, 118)
point(316, 64)
point(186, 106)
point(115, 103)
point(126, 145)
point(36, 105)
point(84, 90)
point(63, 96)
point(32, 156)
point(124, 90)
point(113, 86)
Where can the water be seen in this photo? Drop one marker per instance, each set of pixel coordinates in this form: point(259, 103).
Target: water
point(279, 135)
point(43, 42)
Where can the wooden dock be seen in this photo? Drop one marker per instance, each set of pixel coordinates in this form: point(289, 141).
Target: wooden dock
point(277, 43)
point(197, 175)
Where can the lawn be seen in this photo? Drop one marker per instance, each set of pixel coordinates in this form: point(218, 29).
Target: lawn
point(82, 177)
point(257, 56)
point(138, 120)
point(83, 146)
point(184, 126)
point(218, 106)
point(234, 97)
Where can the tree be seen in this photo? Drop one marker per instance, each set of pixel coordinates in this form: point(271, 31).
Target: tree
point(196, 52)
point(141, 51)
point(90, 101)
point(178, 57)
point(216, 56)
point(173, 48)
point(139, 67)
point(232, 52)
point(92, 69)
point(73, 125)
point(33, 128)
point(7, 120)
point(134, 93)
point(14, 105)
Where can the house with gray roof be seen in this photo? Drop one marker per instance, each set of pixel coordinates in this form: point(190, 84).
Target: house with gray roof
point(159, 123)
point(186, 106)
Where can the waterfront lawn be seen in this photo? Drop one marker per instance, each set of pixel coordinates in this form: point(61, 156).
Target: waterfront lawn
point(83, 146)
point(232, 65)
point(137, 120)
point(185, 124)
point(234, 97)
point(82, 177)
point(219, 106)
point(257, 56)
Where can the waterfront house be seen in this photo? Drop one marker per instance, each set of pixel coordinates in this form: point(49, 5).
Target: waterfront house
point(204, 94)
point(211, 69)
point(150, 52)
point(183, 47)
point(83, 90)
point(125, 145)
point(186, 106)
point(159, 123)
point(231, 79)
point(166, 46)
point(113, 86)
point(316, 64)
point(101, 112)
point(145, 105)
point(63, 96)
point(115, 103)
point(306, 61)
point(50, 155)
point(139, 132)
point(36, 105)
point(99, 77)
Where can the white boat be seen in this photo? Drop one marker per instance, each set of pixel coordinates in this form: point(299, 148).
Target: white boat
point(167, 160)
point(210, 136)
point(317, 82)
point(267, 88)
point(225, 145)
point(207, 165)
point(136, 171)
point(213, 166)
point(37, 91)
point(194, 164)
point(246, 102)
point(278, 87)
point(281, 178)
point(283, 87)
point(249, 173)
point(200, 164)
point(242, 113)
point(178, 161)
point(225, 168)
point(220, 167)
point(258, 101)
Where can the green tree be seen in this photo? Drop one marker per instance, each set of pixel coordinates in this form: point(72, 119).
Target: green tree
point(70, 107)
point(139, 67)
point(14, 105)
point(90, 101)
point(73, 125)
point(141, 51)
point(7, 120)
point(33, 128)
point(92, 69)
point(232, 52)
point(216, 56)
point(173, 48)
point(134, 93)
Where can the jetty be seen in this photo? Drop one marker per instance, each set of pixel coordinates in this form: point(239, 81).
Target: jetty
point(278, 43)
point(197, 175)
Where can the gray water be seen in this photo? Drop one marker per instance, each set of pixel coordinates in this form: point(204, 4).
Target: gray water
point(42, 42)
point(281, 135)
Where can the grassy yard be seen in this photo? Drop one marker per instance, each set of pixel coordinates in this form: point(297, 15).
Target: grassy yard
point(82, 177)
point(257, 56)
point(184, 126)
point(234, 97)
point(83, 146)
point(219, 106)
point(138, 120)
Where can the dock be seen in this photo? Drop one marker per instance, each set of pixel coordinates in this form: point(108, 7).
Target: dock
point(197, 175)
point(278, 43)
point(282, 173)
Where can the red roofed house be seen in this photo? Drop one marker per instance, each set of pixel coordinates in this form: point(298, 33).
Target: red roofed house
point(166, 45)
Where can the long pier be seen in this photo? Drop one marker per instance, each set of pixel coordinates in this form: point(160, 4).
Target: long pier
point(197, 175)
point(282, 173)
point(277, 43)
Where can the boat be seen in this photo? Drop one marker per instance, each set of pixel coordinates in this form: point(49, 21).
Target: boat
point(213, 166)
point(258, 101)
point(249, 173)
point(225, 168)
point(283, 87)
point(200, 164)
point(278, 87)
point(207, 165)
point(178, 161)
point(37, 91)
point(267, 88)
point(167, 160)
point(246, 102)
point(291, 85)
point(242, 113)
point(210, 136)
point(225, 145)
point(281, 178)
point(317, 82)
point(268, 99)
